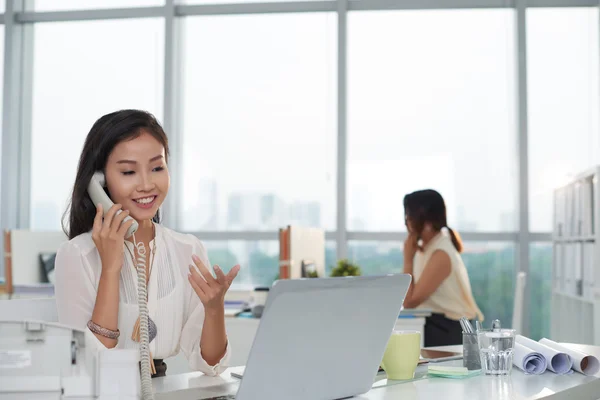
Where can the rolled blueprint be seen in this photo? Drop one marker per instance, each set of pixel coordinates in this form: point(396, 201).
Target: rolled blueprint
point(582, 363)
point(529, 361)
point(557, 361)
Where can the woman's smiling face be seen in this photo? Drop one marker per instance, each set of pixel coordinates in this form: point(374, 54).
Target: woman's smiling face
point(137, 176)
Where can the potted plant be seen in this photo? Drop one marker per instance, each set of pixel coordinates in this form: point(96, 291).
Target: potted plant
point(346, 268)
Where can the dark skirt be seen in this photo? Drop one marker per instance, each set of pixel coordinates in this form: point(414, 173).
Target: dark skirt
point(442, 331)
point(161, 368)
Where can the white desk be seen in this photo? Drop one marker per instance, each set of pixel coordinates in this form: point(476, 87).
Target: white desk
point(517, 386)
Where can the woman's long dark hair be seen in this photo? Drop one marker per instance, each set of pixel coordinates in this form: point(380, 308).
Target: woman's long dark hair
point(106, 133)
point(425, 206)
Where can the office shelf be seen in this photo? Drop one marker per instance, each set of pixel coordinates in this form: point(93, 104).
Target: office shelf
point(574, 239)
point(574, 297)
point(576, 253)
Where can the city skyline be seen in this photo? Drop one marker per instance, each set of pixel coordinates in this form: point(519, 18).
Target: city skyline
point(250, 211)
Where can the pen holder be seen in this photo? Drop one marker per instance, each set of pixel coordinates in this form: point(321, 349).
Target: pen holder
point(471, 359)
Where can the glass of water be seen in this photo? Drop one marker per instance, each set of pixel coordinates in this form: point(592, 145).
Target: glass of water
point(496, 349)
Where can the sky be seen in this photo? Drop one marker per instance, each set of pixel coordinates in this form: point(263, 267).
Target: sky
point(431, 103)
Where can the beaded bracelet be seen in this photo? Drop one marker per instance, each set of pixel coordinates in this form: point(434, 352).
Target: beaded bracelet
point(107, 333)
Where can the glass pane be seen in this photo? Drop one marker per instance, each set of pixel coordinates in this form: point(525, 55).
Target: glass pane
point(63, 5)
point(431, 105)
point(259, 260)
point(491, 268)
point(376, 258)
point(562, 57)
point(259, 122)
point(82, 71)
point(539, 283)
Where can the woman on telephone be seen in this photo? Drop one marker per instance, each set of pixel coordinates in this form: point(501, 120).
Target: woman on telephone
point(96, 280)
point(440, 280)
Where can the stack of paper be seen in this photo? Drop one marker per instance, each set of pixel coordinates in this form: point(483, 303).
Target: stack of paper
point(451, 372)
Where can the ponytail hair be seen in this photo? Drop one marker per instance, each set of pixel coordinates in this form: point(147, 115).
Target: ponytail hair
point(456, 240)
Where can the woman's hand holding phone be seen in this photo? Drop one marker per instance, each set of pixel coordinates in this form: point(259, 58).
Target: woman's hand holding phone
point(411, 245)
point(108, 234)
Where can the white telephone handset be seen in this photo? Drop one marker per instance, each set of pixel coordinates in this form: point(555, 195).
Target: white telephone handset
point(98, 195)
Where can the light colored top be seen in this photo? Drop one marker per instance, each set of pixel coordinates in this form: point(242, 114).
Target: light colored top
point(172, 303)
point(453, 297)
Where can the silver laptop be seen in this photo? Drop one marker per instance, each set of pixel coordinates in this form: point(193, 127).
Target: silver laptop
point(322, 338)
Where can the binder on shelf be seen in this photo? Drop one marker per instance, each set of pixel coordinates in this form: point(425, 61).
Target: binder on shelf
point(577, 284)
point(569, 220)
point(567, 268)
point(587, 203)
point(559, 213)
point(577, 231)
point(594, 186)
point(301, 252)
point(588, 270)
point(558, 266)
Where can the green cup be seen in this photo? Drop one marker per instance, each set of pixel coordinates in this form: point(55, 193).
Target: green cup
point(401, 355)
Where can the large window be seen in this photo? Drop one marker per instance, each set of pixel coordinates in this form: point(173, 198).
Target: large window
point(428, 99)
point(259, 122)
point(491, 268)
point(83, 70)
point(563, 88)
point(431, 105)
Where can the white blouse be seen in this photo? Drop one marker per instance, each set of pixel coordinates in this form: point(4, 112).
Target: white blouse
point(454, 297)
point(172, 303)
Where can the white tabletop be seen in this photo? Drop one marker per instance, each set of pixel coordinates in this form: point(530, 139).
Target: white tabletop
point(517, 386)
